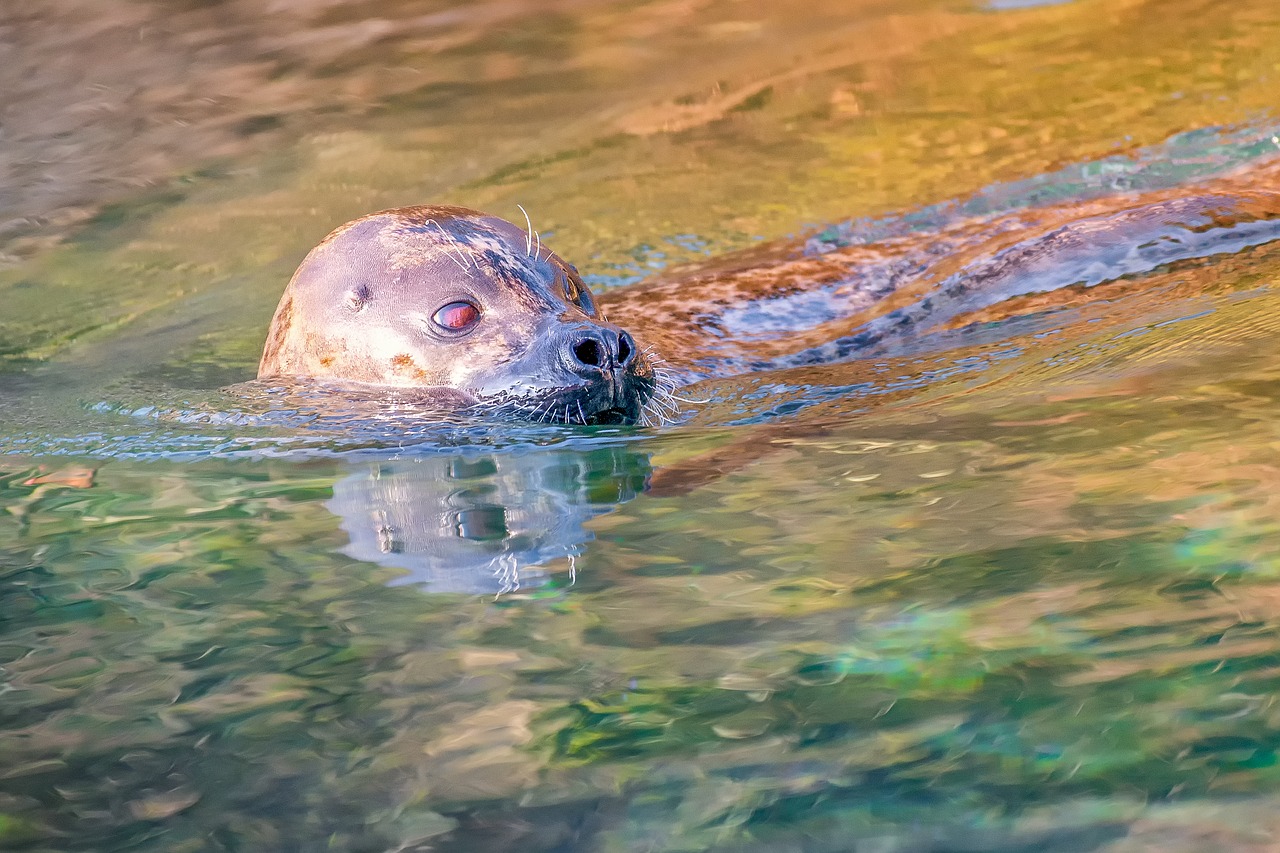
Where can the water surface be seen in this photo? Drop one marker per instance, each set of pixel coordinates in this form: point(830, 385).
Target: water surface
point(1007, 586)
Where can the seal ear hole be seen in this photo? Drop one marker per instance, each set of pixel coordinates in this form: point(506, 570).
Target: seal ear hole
point(358, 297)
point(456, 317)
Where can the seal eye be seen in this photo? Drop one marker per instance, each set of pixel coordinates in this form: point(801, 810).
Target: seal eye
point(456, 316)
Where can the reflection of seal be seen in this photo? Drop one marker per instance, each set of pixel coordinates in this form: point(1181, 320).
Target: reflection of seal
point(486, 523)
point(448, 298)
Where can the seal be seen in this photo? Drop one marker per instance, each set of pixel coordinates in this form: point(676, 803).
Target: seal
point(467, 308)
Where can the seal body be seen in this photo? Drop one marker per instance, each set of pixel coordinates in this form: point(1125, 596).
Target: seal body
point(453, 300)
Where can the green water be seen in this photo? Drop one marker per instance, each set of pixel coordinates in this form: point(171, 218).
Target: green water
point(1012, 588)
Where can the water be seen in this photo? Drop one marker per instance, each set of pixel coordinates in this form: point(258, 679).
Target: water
point(1006, 584)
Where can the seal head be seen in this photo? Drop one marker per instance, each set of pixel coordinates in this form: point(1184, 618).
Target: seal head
point(452, 300)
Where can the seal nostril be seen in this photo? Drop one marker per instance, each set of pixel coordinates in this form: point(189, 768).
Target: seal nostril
point(626, 349)
point(589, 353)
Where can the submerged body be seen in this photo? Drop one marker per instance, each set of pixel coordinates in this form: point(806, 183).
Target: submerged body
point(796, 303)
point(376, 302)
point(462, 308)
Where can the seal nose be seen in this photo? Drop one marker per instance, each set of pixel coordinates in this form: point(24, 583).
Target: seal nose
point(601, 348)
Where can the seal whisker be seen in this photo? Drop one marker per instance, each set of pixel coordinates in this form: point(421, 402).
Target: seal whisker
point(449, 238)
point(659, 401)
point(538, 254)
point(471, 262)
point(582, 414)
point(526, 410)
point(528, 241)
point(450, 241)
point(665, 407)
point(666, 387)
point(653, 358)
point(663, 398)
point(655, 414)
